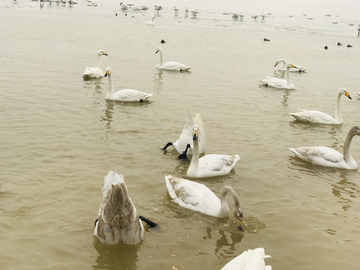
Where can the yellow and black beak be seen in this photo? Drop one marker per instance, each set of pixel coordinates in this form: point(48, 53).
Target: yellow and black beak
point(240, 224)
point(347, 94)
point(106, 73)
point(195, 135)
point(294, 66)
point(157, 51)
point(104, 53)
point(276, 64)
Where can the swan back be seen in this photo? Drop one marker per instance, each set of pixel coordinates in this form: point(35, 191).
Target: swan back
point(117, 220)
point(249, 260)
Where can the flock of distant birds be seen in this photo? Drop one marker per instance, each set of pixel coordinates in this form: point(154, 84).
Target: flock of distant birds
point(118, 221)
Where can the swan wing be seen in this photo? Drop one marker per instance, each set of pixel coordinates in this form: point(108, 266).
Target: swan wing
point(249, 260)
point(215, 164)
point(117, 220)
point(92, 73)
point(274, 82)
point(314, 117)
point(192, 195)
point(320, 155)
point(130, 95)
point(174, 66)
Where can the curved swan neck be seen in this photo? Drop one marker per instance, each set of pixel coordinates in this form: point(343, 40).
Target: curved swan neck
point(338, 116)
point(110, 92)
point(346, 148)
point(287, 75)
point(161, 57)
point(224, 205)
point(194, 164)
point(99, 62)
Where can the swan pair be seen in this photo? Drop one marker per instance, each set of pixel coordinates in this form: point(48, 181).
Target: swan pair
point(125, 95)
point(175, 66)
point(200, 198)
point(208, 165)
point(328, 157)
point(186, 136)
point(95, 72)
point(317, 117)
point(117, 220)
point(280, 83)
point(252, 259)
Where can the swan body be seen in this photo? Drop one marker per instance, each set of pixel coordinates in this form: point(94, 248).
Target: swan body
point(328, 157)
point(209, 165)
point(320, 117)
point(151, 23)
point(95, 72)
point(252, 259)
point(170, 65)
point(186, 135)
point(117, 220)
point(297, 68)
point(126, 95)
point(198, 197)
point(280, 83)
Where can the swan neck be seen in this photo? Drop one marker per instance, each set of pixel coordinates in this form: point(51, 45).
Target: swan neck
point(224, 205)
point(110, 92)
point(194, 164)
point(161, 58)
point(338, 116)
point(99, 62)
point(346, 148)
point(287, 75)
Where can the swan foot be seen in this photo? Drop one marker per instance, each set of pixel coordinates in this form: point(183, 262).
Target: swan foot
point(148, 222)
point(166, 146)
point(183, 156)
point(141, 100)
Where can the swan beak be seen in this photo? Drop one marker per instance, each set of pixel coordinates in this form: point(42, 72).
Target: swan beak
point(106, 73)
point(240, 224)
point(104, 53)
point(294, 66)
point(347, 94)
point(276, 64)
point(195, 134)
point(157, 51)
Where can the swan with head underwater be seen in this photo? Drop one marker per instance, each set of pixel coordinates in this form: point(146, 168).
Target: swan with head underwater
point(317, 117)
point(170, 65)
point(95, 72)
point(181, 144)
point(126, 95)
point(297, 68)
point(328, 157)
point(209, 165)
point(252, 259)
point(198, 197)
point(117, 220)
point(280, 83)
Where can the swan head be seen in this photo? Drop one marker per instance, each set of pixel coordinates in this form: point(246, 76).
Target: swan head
point(195, 132)
point(344, 92)
point(159, 49)
point(238, 214)
point(100, 53)
point(107, 72)
point(355, 131)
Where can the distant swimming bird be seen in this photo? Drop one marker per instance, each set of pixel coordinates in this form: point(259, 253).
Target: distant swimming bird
point(117, 220)
point(297, 68)
point(349, 46)
point(328, 157)
point(176, 10)
point(126, 95)
point(162, 41)
point(170, 65)
point(280, 83)
point(326, 47)
point(198, 197)
point(265, 39)
point(186, 136)
point(249, 260)
point(95, 72)
point(339, 44)
point(158, 8)
point(263, 16)
point(241, 16)
point(194, 12)
point(254, 16)
point(123, 6)
point(151, 23)
point(209, 165)
point(317, 117)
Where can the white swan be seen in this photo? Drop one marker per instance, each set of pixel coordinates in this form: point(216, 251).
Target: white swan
point(151, 23)
point(328, 157)
point(209, 165)
point(117, 220)
point(320, 117)
point(127, 95)
point(252, 259)
point(280, 83)
point(200, 198)
point(95, 72)
point(170, 65)
point(186, 136)
point(297, 68)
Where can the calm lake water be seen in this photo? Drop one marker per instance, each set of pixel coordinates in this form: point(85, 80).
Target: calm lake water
point(59, 136)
